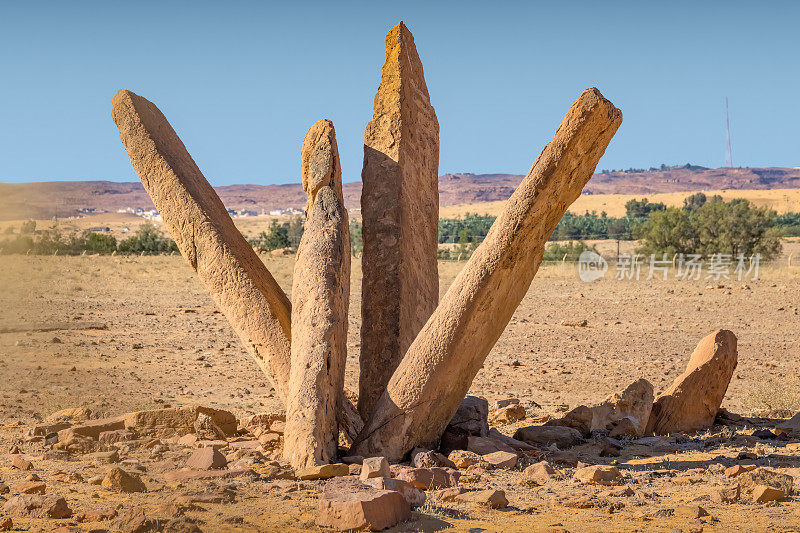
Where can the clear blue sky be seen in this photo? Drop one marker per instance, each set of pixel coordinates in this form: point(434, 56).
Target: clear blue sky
point(241, 82)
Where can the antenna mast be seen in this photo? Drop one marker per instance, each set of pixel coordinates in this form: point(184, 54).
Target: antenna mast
point(728, 158)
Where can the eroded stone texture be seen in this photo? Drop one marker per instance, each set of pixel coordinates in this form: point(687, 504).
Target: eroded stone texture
point(400, 209)
point(320, 301)
point(693, 400)
point(237, 280)
point(438, 368)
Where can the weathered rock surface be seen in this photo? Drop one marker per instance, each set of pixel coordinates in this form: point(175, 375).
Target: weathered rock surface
point(347, 504)
point(442, 362)
point(429, 478)
point(122, 481)
point(323, 471)
point(561, 436)
point(320, 302)
point(597, 474)
point(178, 421)
point(765, 476)
point(207, 458)
point(38, 506)
point(374, 467)
point(240, 284)
point(501, 459)
point(541, 472)
point(413, 495)
point(694, 398)
point(235, 277)
point(764, 494)
point(494, 499)
point(400, 210)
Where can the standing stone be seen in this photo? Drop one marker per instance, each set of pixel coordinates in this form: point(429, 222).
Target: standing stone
point(693, 400)
point(238, 281)
point(320, 301)
point(440, 365)
point(400, 209)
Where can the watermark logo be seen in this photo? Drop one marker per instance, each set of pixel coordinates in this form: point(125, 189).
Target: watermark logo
point(591, 266)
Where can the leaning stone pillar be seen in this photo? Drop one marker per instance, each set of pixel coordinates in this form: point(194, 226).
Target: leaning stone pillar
point(440, 365)
point(237, 280)
point(320, 301)
point(400, 210)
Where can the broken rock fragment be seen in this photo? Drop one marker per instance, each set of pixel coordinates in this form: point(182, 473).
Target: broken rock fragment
point(694, 398)
point(347, 504)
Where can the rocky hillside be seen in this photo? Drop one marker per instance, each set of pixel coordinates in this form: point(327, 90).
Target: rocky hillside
point(64, 198)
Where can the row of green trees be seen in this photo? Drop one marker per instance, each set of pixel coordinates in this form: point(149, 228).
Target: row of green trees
point(703, 225)
point(147, 239)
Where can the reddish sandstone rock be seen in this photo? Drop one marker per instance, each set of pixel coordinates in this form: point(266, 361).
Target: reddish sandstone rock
point(508, 415)
point(347, 504)
point(121, 481)
point(31, 487)
point(693, 400)
point(92, 428)
point(430, 478)
point(120, 435)
point(494, 499)
point(412, 494)
point(374, 467)
point(208, 458)
point(21, 463)
point(38, 506)
point(464, 458)
point(501, 459)
point(597, 474)
point(561, 436)
point(764, 494)
point(485, 445)
point(541, 472)
point(323, 471)
point(177, 421)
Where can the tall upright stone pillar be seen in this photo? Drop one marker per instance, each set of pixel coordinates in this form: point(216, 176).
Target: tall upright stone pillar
point(400, 210)
point(320, 300)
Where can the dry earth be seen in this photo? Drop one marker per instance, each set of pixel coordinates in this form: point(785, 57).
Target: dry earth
point(119, 334)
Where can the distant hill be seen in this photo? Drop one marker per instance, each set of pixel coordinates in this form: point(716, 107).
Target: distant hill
point(65, 198)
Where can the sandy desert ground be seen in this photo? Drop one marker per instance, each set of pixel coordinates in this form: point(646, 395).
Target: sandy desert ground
point(119, 334)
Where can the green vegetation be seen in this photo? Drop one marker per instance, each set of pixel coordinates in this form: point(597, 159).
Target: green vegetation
point(709, 226)
point(51, 241)
point(569, 252)
point(147, 240)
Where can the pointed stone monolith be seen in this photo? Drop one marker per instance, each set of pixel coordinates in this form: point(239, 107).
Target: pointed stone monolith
point(400, 210)
point(439, 367)
point(320, 301)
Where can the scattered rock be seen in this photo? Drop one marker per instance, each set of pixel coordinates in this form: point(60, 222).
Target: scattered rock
point(374, 467)
point(414, 496)
point(208, 458)
point(597, 474)
point(92, 428)
point(323, 471)
point(501, 459)
point(725, 494)
point(765, 476)
point(690, 512)
point(116, 436)
point(431, 459)
point(6, 524)
point(347, 504)
point(97, 515)
point(765, 493)
point(121, 481)
point(21, 463)
point(485, 445)
point(509, 414)
point(31, 487)
point(495, 499)
point(624, 427)
point(430, 478)
point(38, 506)
point(464, 458)
point(541, 472)
point(692, 402)
point(561, 436)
